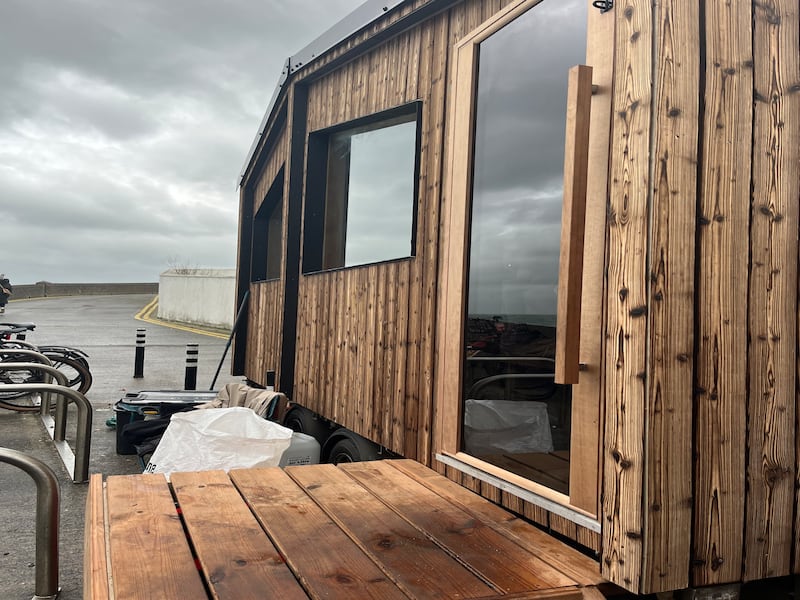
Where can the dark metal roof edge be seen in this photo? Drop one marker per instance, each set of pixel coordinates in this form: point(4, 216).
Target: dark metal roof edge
point(362, 16)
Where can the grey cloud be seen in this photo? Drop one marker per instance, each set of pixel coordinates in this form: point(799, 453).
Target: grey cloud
point(123, 127)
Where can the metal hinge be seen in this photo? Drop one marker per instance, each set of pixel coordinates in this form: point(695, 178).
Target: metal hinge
point(603, 5)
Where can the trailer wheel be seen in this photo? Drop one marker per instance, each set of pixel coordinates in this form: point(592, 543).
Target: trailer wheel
point(344, 451)
point(303, 421)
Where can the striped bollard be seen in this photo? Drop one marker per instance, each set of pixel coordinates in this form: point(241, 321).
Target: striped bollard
point(138, 364)
point(190, 381)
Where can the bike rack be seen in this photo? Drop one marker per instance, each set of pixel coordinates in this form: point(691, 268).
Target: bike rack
point(57, 428)
point(79, 470)
point(47, 517)
point(23, 343)
point(33, 355)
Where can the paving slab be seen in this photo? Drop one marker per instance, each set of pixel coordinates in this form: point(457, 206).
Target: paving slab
point(104, 327)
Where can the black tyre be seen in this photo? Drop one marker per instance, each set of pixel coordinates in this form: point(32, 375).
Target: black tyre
point(77, 372)
point(19, 401)
point(344, 451)
point(303, 421)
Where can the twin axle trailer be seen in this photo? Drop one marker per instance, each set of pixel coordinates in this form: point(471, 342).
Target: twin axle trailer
point(548, 248)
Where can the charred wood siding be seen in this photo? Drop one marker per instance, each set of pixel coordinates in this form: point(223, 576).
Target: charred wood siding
point(699, 315)
point(365, 334)
point(702, 314)
point(265, 308)
point(363, 338)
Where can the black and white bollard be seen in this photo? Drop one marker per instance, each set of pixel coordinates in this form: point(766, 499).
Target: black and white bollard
point(190, 381)
point(138, 364)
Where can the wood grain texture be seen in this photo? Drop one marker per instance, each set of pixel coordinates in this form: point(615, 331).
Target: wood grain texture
point(577, 566)
point(145, 530)
point(410, 558)
point(265, 307)
point(721, 299)
point(573, 225)
point(585, 443)
point(95, 565)
point(502, 562)
point(333, 566)
point(668, 434)
point(771, 468)
point(626, 300)
point(236, 556)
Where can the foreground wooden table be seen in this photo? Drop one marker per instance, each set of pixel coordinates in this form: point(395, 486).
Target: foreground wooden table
point(387, 529)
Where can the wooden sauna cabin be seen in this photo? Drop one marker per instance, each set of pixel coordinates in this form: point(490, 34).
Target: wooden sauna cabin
point(571, 290)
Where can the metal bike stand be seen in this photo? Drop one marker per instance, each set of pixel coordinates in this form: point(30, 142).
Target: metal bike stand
point(79, 471)
point(33, 356)
point(47, 517)
point(57, 428)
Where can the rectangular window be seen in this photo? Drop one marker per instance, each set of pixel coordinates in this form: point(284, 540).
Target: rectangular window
point(268, 233)
point(361, 191)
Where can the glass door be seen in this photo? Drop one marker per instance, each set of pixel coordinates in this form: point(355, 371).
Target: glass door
point(513, 414)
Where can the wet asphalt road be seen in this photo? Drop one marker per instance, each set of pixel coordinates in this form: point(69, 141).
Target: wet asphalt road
point(105, 328)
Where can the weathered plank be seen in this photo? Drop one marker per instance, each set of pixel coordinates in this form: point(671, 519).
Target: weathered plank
point(498, 559)
point(236, 556)
point(410, 558)
point(668, 434)
point(721, 298)
point(773, 292)
point(95, 564)
point(332, 566)
point(575, 565)
point(145, 530)
point(626, 297)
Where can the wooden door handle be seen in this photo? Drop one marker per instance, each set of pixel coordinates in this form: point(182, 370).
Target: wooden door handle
point(573, 223)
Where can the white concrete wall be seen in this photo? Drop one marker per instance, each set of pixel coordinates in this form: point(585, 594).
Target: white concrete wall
point(198, 296)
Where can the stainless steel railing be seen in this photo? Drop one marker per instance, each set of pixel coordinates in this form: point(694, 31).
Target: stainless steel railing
point(79, 471)
point(47, 518)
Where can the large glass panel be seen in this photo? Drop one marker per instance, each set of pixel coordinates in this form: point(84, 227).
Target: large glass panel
point(515, 416)
point(370, 196)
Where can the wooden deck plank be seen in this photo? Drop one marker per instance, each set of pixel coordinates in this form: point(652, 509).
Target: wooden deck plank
point(326, 562)
point(497, 558)
point(575, 565)
point(150, 557)
point(570, 593)
point(95, 571)
point(410, 557)
point(238, 559)
point(387, 529)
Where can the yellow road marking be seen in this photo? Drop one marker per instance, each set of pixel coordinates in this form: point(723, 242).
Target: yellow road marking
point(146, 315)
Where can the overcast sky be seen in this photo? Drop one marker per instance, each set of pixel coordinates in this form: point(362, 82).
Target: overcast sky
point(124, 126)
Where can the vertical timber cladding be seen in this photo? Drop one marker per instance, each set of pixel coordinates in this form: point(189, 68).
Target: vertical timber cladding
point(265, 308)
point(626, 330)
point(721, 345)
point(744, 136)
point(667, 501)
point(365, 335)
point(773, 291)
point(362, 356)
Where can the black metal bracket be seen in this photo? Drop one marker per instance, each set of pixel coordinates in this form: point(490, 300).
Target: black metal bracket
point(603, 5)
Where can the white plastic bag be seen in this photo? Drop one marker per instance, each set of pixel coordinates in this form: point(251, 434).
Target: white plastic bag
point(506, 426)
point(221, 438)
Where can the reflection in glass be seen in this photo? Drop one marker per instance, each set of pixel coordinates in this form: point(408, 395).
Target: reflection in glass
point(370, 196)
point(514, 414)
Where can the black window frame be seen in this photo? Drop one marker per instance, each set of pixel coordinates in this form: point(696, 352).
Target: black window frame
point(314, 215)
point(262, 260)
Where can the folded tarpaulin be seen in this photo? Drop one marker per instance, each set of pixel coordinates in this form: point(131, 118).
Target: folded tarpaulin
point(265, 403)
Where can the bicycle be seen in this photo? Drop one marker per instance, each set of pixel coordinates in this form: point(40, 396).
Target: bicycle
point(70, 361)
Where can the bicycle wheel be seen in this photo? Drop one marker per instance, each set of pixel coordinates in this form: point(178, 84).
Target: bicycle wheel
point(78, 375)
point(19, 401)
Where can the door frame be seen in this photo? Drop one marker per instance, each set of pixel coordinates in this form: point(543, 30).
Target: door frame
point(586, 443)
